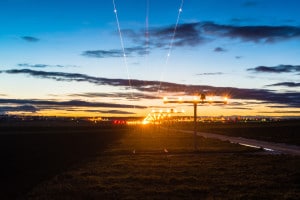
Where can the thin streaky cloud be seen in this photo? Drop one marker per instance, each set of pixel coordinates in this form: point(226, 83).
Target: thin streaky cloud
point(237, 108)
point(219, 49)
point(131, 51)
point(136, 95)
point(22, 108)
point(286, 84)
point(276, 69)
point(30, 39)
point(42, 65)
point(120, 112)
point(280, 112)
point(75, 103)
point(116, 112)
point(210, 73)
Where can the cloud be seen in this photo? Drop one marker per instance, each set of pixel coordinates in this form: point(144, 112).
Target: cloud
point(210, 73)
point(278, 106)
point(42, 65)
point(287, 84)
point(121, 112)
point(34, 66)
point(63, 76)
point(71, 103)
point(135, 95)
point(33, 105)
point(37, 65)
point(219, 49)
point(237, 108)
point(257, 34)
point(103, 53)
point(280, 112)
point(187, 34)
point(30, 39)
point(276, 69)
point(115, 52)
point(193, 35)
point(116, 112)
point(290, 98)
point(23, 108)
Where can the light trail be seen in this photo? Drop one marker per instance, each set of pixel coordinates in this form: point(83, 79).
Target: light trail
point(170, 47)
point(146, 42)
point(147, 30)
point(123, 48)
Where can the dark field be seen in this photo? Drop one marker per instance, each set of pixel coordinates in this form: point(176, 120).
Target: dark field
point(67, 161)
point(31, 153)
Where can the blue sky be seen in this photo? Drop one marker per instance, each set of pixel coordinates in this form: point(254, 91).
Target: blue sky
point(65, 57)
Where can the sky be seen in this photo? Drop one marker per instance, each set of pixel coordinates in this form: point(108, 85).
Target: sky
point(120, 58)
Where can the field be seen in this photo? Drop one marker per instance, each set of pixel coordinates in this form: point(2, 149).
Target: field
point(33, 152)
point(92, 162)
point(280, 132)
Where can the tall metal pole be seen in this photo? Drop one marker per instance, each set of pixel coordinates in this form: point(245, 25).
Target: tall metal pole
point(195, 126)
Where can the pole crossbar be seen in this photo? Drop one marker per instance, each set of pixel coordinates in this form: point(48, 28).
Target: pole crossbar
point(195, 101)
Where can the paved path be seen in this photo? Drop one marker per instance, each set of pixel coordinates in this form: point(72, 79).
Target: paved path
point(268, 146)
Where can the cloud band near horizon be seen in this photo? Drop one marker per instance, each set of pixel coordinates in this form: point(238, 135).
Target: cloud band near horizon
point(289, 98)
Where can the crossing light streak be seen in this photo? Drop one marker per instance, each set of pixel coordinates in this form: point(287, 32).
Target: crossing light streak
point(123, 48)
point(170, 46)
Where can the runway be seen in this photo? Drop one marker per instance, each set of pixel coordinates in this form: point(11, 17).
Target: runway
point(276, 148)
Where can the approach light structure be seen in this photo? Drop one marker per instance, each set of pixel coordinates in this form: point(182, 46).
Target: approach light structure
point(156, 116)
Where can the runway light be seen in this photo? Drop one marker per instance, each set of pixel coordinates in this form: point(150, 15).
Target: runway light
point(225, 99)
point(145, 122)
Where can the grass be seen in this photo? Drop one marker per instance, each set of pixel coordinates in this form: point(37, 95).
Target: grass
point(219, 170)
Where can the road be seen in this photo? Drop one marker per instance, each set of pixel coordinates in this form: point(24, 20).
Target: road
point(271, 147)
